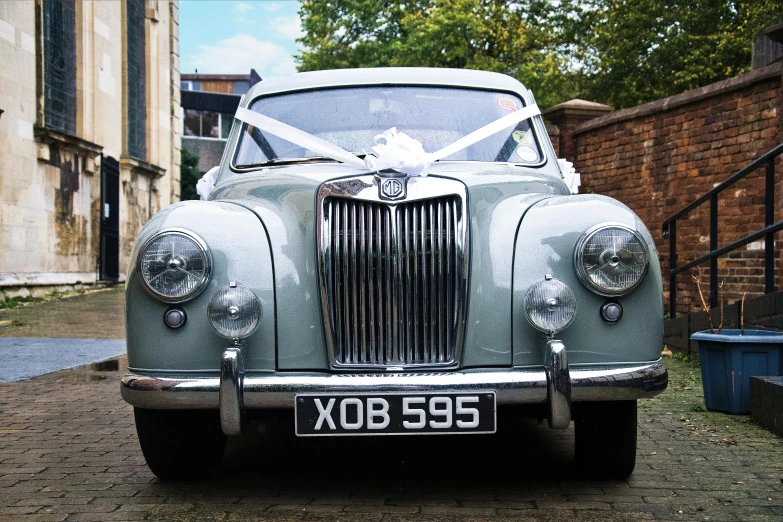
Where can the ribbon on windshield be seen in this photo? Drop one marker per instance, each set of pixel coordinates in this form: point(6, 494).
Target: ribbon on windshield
point(392, 149)
point(298, 137)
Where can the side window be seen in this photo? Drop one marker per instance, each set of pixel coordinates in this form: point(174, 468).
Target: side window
point(59, 68)
point(136, 79)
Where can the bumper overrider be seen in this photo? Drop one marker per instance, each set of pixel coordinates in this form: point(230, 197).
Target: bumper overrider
point(555, 385)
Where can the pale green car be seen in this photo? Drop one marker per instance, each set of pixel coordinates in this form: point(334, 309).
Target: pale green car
point(418, 299)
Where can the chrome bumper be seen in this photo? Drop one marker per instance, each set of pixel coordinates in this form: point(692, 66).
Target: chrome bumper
point(555, 385)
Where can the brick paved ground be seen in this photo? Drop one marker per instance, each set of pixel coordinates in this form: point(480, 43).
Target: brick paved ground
point(68, 451)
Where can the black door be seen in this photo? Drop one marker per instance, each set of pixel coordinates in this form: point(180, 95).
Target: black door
point(110, 219)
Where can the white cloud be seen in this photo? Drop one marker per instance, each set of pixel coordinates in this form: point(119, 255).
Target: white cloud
point(240, 53)
point(288, 26)
point(271, 7)
point(242, 7)
point(285, 67)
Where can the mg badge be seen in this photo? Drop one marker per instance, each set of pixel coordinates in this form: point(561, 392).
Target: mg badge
point(392, 188)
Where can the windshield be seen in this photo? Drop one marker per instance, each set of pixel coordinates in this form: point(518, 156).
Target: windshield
point(351, 117)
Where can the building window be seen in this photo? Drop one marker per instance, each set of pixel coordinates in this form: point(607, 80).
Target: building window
point(190, 85)
point(136, 79)
point(59, 55)
point(207, 124)
point(241, 87)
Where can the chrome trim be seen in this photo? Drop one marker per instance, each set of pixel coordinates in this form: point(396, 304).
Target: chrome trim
point(398, 234)
point(230, 391)
point(277, 390)
point(558, 386)
point(579, 250)
point(202, 245)
point(526, 96)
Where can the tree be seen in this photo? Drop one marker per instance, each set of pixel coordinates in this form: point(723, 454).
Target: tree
point(493, 35)
point(621, 52)
point(188, 176)
point(635, 51)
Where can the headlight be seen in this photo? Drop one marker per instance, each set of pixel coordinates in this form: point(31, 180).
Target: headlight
point(550, 305)
point(611, 260)
point(174, 265)
point(234, 312)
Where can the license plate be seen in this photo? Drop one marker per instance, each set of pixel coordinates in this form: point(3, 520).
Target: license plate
point(394, 414)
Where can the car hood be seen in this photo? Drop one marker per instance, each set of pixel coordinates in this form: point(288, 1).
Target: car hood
point(284, 199)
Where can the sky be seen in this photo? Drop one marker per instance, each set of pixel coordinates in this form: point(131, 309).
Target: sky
point(233, 36)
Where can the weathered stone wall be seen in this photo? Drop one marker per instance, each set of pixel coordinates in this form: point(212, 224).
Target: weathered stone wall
point(50, 183)
point(658, 157)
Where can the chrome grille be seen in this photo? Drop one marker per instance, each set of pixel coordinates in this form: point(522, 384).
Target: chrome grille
point(394, 277)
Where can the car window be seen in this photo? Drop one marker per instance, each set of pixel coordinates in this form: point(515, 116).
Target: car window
point(351, 117)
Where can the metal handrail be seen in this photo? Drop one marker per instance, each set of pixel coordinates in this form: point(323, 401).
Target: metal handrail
point(770, 227)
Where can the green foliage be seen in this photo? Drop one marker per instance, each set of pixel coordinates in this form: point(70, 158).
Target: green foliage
point(621, 52)
point(636, 51)
point(9, 302)
point(492, 35)
point(189, 176)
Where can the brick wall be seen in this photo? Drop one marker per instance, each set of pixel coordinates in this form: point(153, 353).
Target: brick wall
point(658, 157)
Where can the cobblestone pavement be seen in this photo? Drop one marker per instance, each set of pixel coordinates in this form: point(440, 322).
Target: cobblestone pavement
point(68, 451)
point(96, 314)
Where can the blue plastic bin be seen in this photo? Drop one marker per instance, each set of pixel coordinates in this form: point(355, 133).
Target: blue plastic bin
point(729, 360)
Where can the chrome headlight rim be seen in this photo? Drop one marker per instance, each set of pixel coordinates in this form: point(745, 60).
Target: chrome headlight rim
point(202, 246)
point(579, 266)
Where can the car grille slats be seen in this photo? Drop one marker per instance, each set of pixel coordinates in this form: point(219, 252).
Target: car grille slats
point(393, 275)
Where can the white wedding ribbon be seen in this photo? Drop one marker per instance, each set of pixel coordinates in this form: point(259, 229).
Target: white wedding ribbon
point(398, 151)
point(298, 137)
point(487, 130)
point(206, 184)
point(392, 149)
point(570, 176)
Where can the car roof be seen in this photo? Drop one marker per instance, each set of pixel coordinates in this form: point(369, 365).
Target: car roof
point(386, 76)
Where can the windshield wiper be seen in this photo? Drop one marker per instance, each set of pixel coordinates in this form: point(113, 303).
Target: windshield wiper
point(294, 161)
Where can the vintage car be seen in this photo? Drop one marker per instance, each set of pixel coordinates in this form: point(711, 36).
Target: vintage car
point(391, 252)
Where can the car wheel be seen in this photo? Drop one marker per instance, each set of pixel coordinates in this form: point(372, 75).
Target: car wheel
point(605, 439)
point(180, 444)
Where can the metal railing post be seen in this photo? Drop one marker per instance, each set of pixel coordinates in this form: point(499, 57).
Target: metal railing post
point(672, 266)
point(713, 248)
point(769, 238)
point(771, 226)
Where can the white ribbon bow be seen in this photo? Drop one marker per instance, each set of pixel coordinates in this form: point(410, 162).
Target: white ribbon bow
point(570, 175)
point(398, 151)
point(206, 184)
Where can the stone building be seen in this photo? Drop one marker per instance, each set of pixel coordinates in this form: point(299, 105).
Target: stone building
point(89, 136)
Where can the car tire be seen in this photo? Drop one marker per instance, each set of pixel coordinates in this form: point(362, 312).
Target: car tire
point(605, 439)
point(180, 444)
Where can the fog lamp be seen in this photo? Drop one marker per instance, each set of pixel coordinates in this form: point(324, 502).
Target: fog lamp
point(550, 305)
point(234, 312)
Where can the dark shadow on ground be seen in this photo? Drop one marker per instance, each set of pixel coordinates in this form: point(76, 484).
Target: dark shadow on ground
point(523, 451)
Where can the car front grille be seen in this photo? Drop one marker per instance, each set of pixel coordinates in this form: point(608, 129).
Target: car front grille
point(394, 277)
